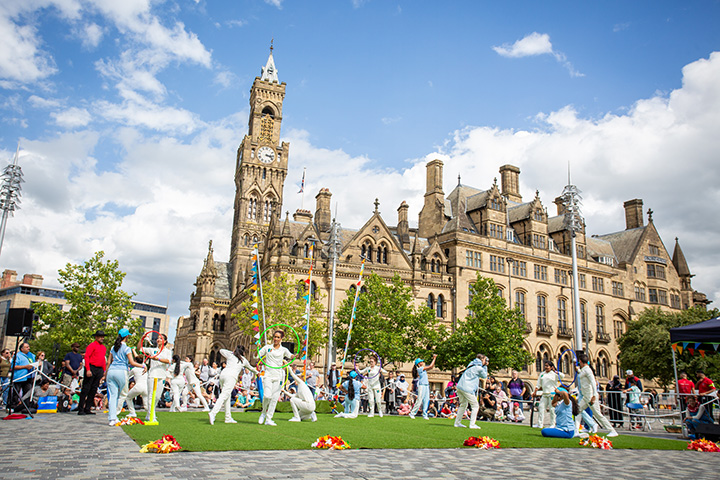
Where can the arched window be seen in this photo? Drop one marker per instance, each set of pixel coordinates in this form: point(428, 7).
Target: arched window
point(216, 322)
point(194, 322)
point(439, 308)
point(430, 301)
point(264, 174)
point(246, 240)
point(363, 251)
point(252, 208)
point(267, 211)
point(600, 317)
point(566, 362)
point(222, 323)
point(300, 289)
point(541, 357)
point(313, 290)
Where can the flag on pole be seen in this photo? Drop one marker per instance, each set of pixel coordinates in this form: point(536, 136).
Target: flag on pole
point(302, 183)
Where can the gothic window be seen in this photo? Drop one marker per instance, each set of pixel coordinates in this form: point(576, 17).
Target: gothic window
point(216, 322)
point(313, 290)
point(267, 212)
point(266, 126)
point(541, 357)
point(565, 363)
point(300, 289)
point(264, 174)
point(542, 309)
point(440, 306)
point(520, 301)
point(222, 323)
point(246, 240)
point(430, 301)
point(562, 313)
point(600, 317)
point(538, 215)
point(194, 322)
point(252, 208)
point(255, 239)
point(363, 251)
point(583, 317)
point(379, 254)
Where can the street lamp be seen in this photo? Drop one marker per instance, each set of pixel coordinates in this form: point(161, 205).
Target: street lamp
point(573, 222)
point(10, 193)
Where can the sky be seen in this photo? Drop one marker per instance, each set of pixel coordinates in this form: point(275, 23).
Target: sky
point(128, 116)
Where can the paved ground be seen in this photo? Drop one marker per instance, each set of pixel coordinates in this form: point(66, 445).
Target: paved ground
point(67, 446)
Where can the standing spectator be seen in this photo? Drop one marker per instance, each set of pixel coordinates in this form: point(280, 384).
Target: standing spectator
point(5, 373)
point(633, 403)
point(389, 394)
point(333, 380)
point(246, 381)
point(204, 372)
point(614, 397)
point(71, 364)
point(311, 377)
point(450, 389)
point(706, 391)
point(214, 376)
point(24, 374)
point(517, 389)
point(629, 375)
point(686, 387)
point(94, 372)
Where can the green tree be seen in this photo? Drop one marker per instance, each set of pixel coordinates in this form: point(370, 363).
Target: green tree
point(387, 321)
point(490, 328)
point(285, 303)
point(97, 302)
point(645, 346)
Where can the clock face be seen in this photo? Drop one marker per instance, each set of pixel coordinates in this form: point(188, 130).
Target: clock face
point(266, 154)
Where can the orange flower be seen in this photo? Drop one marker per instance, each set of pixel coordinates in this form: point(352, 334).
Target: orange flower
point(484, 443)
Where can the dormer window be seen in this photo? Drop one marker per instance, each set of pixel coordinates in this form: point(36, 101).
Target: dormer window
point(538, 215)
point(495, 203)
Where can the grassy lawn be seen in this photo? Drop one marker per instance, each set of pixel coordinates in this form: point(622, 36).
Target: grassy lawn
point(194, 433)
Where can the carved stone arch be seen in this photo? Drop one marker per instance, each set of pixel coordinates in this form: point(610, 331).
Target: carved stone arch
point(566, 362)
point(602, 363)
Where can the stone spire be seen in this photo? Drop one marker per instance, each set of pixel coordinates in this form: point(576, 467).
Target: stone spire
point(269, 73)
point(678, 260)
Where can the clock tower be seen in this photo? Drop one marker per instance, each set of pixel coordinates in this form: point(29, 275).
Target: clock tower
point(260, 170)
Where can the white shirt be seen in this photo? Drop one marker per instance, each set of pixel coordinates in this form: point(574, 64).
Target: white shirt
point(158, 369)
point(588, 386)
point(402, 387)
point(189, 370)
point(274, 360)
point(373, 375)
point(140, 376)
point(234, 366)
point(548, 382)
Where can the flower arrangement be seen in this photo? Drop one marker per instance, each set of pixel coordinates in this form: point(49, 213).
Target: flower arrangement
point(331, 443)
point(484, 443)
point(596, 441)
point(129, 421)
point(166, 444)
point(702, 445)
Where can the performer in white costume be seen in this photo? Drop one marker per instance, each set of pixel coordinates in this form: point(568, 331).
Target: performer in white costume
point(158, 370)
point(275, 356)
point(177, 382)
point(302, 403)
point(547, 383)
point(467, 388)
point(590, 397)
point(372, 372)
point(236, 362)
point(139, 375)
point(193, 382)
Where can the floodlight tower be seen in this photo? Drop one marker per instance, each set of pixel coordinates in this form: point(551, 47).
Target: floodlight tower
point(10, 193)
point(573, 222)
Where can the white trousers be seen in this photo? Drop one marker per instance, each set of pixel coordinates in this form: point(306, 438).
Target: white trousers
point(373, 398)
point(302, 409)
point(597, 414)
point(196, 388)
point(226, 387)
point(139, 389)
point(271, 394)
point(545, 405)
point(465, 400)
point(176, 386)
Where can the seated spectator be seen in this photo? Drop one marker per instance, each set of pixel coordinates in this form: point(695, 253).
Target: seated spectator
point(165, 399)
point(516, 413)
point(697, 414)
point(502, 403)
point(448, 409)
point(488, 406)
point(242, 400)
point(404, 408)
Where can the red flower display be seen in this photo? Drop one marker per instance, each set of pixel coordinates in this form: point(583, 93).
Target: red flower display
point(484, 443)
point(129, 421)
point(166, 444)
point(702, 445)
point(596, 441)
point(331, 443)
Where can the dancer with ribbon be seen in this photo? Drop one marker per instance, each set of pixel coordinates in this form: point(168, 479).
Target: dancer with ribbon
point(373, 373)
point(302, 403)
point(160, 357)
point(308, 297)
point(193, 382)
point(177, 382)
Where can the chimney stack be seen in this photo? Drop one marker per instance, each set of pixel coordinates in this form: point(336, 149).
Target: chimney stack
point(510, 182)
point(323, 217)
point(633, 213)
point(403, 226)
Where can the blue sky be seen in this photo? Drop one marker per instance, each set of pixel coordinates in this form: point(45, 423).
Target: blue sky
point(128, 115)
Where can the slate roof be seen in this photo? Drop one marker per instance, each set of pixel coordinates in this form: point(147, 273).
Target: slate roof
point(624, 243)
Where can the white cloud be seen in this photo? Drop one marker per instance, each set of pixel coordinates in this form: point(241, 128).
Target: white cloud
point(226, 79)
point(532, 45)
point(390, 120)
point(140, 112)
point(21, 58)
point(40, 102)
point(72, 117)
point(274, 3)
point(91, 35)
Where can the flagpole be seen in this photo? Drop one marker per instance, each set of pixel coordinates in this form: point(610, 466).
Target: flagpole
point(302, 191)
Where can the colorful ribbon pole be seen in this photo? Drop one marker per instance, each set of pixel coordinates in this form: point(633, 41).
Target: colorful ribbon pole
point(307, 313)
point(352, 315)
point(257, 282)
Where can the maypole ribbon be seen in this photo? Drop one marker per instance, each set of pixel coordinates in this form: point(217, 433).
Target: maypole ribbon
point(352, 314)
point(257, 282)
point(307, 314)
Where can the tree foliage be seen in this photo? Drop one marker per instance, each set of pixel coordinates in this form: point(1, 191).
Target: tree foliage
point(97, 302)
point(284, 303)
point(387, 321)
point(645, 346)
point(489, 328)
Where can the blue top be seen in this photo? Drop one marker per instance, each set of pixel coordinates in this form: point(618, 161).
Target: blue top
point(563, 417)
point(23, 374)
point(120, 358)
point(423, 378)
point(468, 382)
point(356, 385)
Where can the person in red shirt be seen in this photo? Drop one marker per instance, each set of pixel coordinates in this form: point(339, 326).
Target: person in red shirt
point(95, 355)
point(686, 387)
point(706, 390)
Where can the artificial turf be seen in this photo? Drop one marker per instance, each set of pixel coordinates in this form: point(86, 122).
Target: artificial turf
point(194, 433)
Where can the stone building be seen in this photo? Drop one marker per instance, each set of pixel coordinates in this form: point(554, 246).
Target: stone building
point(489, 229)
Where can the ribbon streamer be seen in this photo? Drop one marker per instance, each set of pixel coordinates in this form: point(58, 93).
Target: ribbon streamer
point(307, 311)
point(352, 314)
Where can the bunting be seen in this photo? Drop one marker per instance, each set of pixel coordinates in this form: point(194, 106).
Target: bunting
point(255, 286)
point(352, 314)
point(308, 282)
